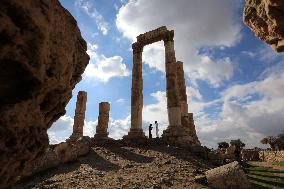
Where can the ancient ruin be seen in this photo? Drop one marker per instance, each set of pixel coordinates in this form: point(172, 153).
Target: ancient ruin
point(103, 119)
point(181, 128)
point(43, 56)
point(79, 115)
point(266, 19)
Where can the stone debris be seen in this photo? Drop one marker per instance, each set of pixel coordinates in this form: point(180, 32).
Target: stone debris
point(58, 154)
point(124, 167)
point(228, 176)
point(266, 19)
point(42, 57)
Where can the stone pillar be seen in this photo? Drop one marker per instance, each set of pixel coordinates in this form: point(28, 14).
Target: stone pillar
point(182, 88)
point(79, 115)
point(173, 99)
point(136, 93)
point(103, 119)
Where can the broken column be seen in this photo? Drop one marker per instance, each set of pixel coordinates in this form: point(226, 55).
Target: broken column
point(173, 100)
point(136, 130)
point(79, 115)
point(187, 121)
point(103, 119)
point(182, 88)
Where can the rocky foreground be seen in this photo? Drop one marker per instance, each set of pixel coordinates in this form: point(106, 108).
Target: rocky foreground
point(124, 167)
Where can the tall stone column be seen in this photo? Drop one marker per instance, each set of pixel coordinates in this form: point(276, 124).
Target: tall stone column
point(136, 93)
point(182, 88)
point(173, 99)
point(79, 115)
point(103, 119)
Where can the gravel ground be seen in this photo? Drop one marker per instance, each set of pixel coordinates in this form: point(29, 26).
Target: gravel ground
point(124, 167)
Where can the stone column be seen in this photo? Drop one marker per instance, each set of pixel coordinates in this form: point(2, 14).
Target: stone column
point(103, 119)
point(182, 88)
point(136, 93)
point(79, 115)
point(173, 99)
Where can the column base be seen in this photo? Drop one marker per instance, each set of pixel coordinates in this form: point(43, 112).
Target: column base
point(177, 135)
point(74, 138)
point(101, 136)
point(135, 134)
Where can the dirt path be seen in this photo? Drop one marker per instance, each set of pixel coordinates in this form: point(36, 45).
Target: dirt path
point(123, 167)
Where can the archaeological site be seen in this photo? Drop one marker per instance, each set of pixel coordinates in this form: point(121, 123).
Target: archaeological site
point(201, 108)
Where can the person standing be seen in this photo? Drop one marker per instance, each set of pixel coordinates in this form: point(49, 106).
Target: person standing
point(157, 129)
point(150, 129)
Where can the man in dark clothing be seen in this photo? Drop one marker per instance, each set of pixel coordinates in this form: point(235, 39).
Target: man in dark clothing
point(150, 129)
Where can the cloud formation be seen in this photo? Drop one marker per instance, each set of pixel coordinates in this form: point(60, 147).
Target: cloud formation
point(196, 26)
point(104, 68)
point(91, 11)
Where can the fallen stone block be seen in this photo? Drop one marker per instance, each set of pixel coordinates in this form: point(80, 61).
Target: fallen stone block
point(229, 176)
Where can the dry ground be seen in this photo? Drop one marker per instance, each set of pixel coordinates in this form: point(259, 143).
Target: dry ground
point(124, 167)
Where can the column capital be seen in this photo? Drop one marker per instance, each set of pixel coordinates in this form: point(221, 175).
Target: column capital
point(137, 47)
point(169, 36)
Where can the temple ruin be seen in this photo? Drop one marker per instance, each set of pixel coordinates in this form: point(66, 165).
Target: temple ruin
point(103, 119)
point(79, 115)
point(181, 125)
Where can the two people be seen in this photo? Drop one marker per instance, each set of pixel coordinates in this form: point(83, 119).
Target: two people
point(157, 130)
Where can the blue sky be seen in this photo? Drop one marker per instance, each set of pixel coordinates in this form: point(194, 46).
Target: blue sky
point(233, 79)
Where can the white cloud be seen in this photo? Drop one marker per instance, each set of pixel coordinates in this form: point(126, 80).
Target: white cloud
point(120, 101)
point(104, 68)
point(60, 130)
point(249, 111)
point(195, 27)
point(90, 10)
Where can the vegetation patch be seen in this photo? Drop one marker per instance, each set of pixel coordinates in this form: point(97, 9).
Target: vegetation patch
point(264, 177)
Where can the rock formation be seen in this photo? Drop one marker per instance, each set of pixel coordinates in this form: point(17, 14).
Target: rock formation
point(228, 176)
point(103, 119)
point(42, 57)
point(266, 19)
point(58, 154)
point(79, 115)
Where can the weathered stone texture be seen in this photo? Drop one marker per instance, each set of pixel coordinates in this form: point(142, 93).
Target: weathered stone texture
point(58, 154)
point(250, 155)
point(103, 119)
point(228, 176)
point(42, 57)
point(79, 115)
point(152, 36)
point(266, 19)
point(272, 156)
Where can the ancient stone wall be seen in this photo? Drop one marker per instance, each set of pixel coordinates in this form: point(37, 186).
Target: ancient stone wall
point(42, 57)
point(272, 156)
point(266, 19)
point(250, 155)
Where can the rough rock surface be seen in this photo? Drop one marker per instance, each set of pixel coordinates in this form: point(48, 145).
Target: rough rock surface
point(125, 167)
point(42, 57)
point(266, 19)
point(228, 176)
point(58, 154)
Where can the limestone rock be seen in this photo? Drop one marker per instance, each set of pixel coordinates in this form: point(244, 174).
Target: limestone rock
point(266, 19)
point(57, 154)
point(228, 176)
point(42, 57)
point(69, 151)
